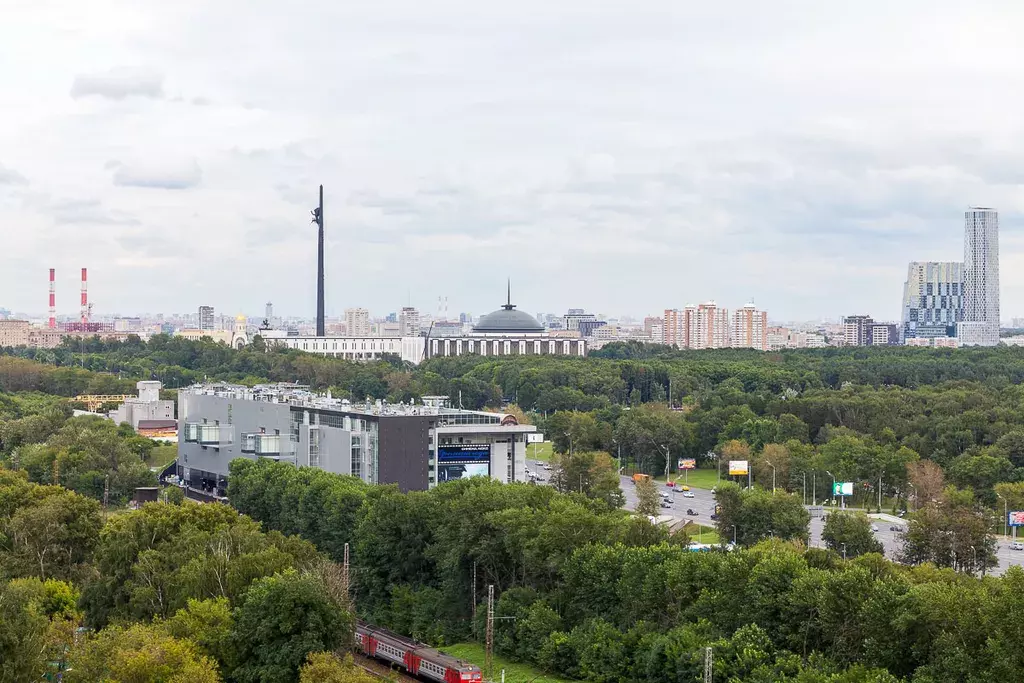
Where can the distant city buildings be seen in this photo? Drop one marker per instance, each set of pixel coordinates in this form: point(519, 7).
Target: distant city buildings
point(980, 321)
point(785, 338)
point(575, 316)
point(409, 322)
point(749, 329)
point(932, 299)
point(357, 322)
point(205, 319)
point(863, 330)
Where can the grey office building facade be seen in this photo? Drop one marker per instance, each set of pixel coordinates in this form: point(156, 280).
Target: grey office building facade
point(413, 446)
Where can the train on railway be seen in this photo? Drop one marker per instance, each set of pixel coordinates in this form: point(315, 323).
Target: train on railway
point(416, 658)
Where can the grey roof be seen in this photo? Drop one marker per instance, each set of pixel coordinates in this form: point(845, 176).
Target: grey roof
point(508, 319)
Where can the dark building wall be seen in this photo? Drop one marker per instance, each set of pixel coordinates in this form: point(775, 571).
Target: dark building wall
point(403, 450)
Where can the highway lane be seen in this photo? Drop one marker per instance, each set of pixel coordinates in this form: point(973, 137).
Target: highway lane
point(703, 503)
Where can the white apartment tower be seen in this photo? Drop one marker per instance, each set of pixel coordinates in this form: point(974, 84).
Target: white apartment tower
point(980, 323)
point(749, 328)
point(357, 322)
point(709, 327)
point(409, 322)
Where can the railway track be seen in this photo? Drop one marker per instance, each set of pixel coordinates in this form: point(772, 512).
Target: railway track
point(377, 668)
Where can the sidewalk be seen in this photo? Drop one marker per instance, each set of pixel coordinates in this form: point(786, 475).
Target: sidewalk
point(892, 519)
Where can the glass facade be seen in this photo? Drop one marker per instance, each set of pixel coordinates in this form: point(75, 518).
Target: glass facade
point(932, 299)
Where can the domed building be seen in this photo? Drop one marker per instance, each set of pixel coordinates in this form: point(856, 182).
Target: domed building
point(507, 332)
point(240, 333)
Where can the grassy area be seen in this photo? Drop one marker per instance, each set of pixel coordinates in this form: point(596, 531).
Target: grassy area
point(514, 673)
point(162, 455)
point(702, 534)
point(698, 479)
point(539, 451)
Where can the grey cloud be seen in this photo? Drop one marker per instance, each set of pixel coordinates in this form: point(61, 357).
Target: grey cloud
point(119, 83)
point(8, 176)
point(164, 177)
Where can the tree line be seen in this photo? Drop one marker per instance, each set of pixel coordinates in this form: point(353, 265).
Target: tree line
point(169, 592)
point(587, 591)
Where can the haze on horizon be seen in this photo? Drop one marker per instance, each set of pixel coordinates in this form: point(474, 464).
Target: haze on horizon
point(620, 159)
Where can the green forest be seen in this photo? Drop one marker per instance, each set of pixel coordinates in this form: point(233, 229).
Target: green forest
point(589, 591)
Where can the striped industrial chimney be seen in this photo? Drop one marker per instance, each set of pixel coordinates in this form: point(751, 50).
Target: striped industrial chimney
point(85, 297)
point(53, 299)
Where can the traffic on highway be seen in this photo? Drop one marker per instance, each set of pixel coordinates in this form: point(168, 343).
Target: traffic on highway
point(676, 503)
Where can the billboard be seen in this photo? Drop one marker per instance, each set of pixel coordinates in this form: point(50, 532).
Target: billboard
point(462, 461)
point(842, 488)
point(687, 464)
point(534, 437)
point(739, 467)
point(1015, 518)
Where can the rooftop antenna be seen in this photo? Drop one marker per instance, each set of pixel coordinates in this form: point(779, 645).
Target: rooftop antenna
point(508, 306)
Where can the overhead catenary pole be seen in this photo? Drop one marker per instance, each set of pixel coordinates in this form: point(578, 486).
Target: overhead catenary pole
point(345, 583)
point(489, 656)
point(708, 664)
point(474, 593)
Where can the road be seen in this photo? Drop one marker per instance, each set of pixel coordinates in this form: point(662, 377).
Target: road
point(703, 503)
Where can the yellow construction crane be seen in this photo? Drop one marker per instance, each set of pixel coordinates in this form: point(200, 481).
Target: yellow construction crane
point(94, 401)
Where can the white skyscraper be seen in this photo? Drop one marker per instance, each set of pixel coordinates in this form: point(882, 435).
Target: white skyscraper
point(980, 325)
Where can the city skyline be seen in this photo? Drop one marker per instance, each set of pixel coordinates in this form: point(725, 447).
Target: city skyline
point(177, 160)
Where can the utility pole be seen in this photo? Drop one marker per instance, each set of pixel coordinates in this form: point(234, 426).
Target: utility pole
point(708, 662)
point(106, 490)
point(489, 659)
point(805, 489)
point(56, 472)
point(345, 574)
point(773, 475)
point(474, 591)
point(1006, 514)
point(879, 494)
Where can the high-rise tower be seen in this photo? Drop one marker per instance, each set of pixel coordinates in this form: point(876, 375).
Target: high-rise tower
point(318, 218)
point(980, 326)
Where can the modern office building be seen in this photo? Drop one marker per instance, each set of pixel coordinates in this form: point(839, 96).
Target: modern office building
point(575, 316)
point(206, 319)
point(357, 322)
point(980, 321)
point(749, 328)
point(932, 299)
point(857, 330)
point(413, 446)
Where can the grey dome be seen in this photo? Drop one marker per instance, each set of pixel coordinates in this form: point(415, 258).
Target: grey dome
point(508, 319)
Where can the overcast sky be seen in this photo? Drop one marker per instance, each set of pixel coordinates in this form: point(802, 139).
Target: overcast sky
point(622, 157)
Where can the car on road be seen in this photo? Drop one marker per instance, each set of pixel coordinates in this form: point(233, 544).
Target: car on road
point(874, 527)
point(687, 494)
point(664, 495)
point(1017, 546)
point(895, 527)
point(691, 512)
point(666, 504)
point(714, 515)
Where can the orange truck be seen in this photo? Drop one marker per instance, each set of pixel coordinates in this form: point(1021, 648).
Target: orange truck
point(637, 478)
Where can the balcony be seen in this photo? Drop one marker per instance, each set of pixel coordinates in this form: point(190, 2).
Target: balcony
point(261, 444)
point(208, 435)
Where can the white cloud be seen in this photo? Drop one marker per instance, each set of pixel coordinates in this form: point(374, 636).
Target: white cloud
point(117, 84)
point(622, 157)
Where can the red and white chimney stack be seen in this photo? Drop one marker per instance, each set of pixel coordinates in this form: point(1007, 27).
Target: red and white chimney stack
point(85, 297)
point(53, 300)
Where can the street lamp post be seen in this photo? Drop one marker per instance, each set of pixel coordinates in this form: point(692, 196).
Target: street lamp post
point(734, 534)
point(773, 475)
point(833, 482)
point(915, 491)
point(805, 489)
point(974, 557)
point(814, 489)
point(844, 551)
point(668, 462)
